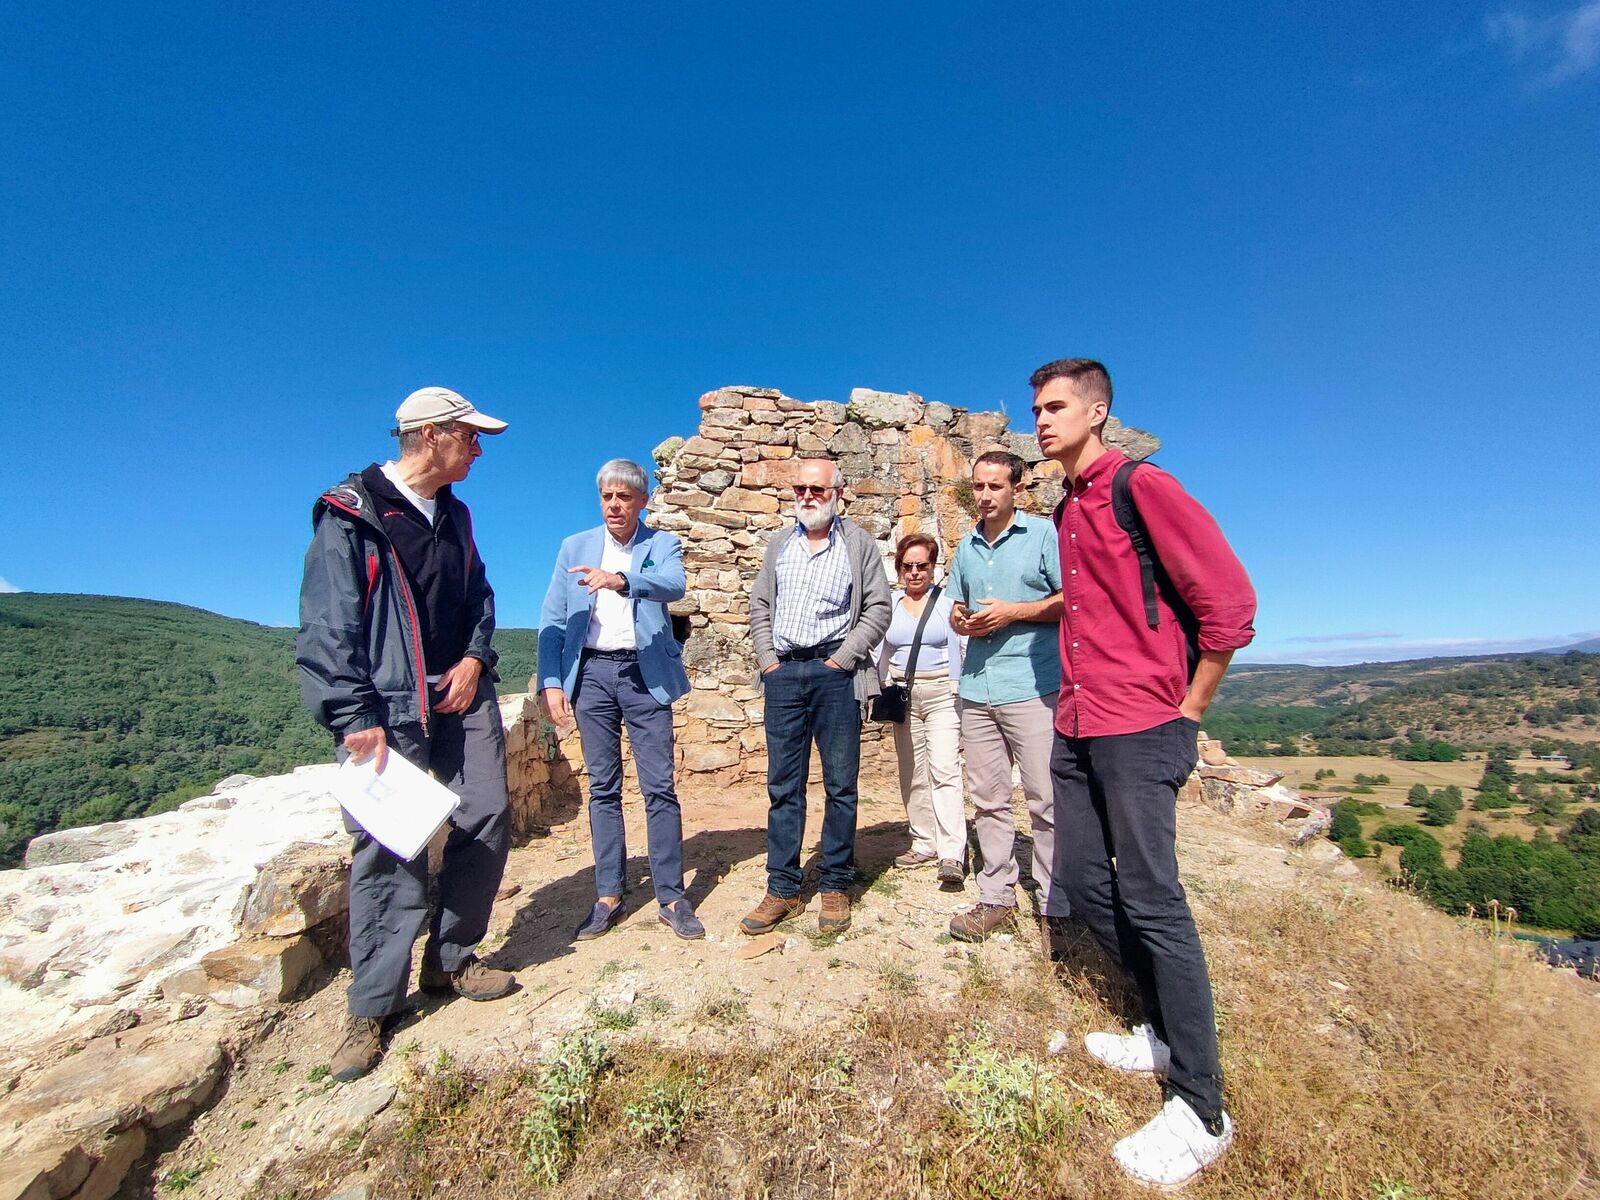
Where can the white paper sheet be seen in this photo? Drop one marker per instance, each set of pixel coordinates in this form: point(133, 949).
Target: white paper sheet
point(402, 808)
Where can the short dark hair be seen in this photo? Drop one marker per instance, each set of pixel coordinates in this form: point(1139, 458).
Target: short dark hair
point(912, 540)
point(1090, 377)
point(1002, 458)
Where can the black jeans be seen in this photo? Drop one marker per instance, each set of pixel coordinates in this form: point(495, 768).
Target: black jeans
point(1117, 857)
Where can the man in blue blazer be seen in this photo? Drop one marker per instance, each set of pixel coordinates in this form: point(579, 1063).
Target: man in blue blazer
point(607, 656)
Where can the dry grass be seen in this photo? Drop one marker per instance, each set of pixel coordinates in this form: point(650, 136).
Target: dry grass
point(1372, 1048)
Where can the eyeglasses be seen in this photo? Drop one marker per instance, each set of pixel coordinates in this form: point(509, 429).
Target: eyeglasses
point(810, 489)
point(468, 435)
point(911, 566)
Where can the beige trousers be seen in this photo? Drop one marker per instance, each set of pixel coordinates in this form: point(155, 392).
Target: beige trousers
point(995, 737)
point(928, 746)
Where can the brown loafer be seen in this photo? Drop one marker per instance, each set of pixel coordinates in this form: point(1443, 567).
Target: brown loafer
point(915, 858)
point(764, 917)
point(835, 917)
point(471, 981)
point(982, 921)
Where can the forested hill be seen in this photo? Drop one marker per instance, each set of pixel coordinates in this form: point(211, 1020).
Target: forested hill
point(114, 708)
point(1472, 703)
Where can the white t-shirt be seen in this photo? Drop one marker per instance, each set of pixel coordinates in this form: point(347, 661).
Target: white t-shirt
point(428, 508)
point(611, 618)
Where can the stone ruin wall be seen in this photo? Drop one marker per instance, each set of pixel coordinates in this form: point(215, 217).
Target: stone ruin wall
point(725, 491)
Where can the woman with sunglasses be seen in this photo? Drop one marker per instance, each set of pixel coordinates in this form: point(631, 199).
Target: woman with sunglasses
point(928, 741)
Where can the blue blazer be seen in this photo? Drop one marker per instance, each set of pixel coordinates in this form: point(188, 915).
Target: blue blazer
point(655, 579)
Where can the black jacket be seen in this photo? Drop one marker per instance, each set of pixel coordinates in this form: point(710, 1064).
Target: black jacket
point(360, 648)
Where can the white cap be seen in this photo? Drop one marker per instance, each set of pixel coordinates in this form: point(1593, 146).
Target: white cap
point(437, 406)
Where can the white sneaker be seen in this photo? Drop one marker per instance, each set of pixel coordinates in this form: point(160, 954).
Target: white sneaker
point(1140, 1051)
point(1173, 1147)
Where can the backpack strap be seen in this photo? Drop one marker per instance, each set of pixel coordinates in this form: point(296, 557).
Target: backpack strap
point(1127, 514)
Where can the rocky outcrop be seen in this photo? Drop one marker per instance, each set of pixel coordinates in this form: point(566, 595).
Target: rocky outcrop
point(906, 463)
point(1235, 790)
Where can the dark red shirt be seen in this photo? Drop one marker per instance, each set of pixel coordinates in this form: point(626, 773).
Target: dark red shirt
point(1117, 674)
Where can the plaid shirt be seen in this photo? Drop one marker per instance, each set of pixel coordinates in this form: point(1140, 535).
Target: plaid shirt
point(813, 601)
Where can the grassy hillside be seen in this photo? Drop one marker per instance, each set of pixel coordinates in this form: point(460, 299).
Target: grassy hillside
point(113, 708)
point(1469, 703)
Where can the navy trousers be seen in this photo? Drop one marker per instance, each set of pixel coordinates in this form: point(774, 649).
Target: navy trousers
point(389, 896)
point(808, 701)
point(1117, 857)
point(609, 693)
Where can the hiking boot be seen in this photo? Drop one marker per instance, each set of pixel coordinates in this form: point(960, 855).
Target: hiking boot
point(835, 916)
point(361, 1050)
point(951, 874)
point(915, 858)
point(1173, 1147)
point(471, 981)
point(764, 917)
point(1141, 1051)
point(982, 921)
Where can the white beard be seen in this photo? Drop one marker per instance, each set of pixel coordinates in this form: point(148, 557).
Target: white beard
point(815, 514)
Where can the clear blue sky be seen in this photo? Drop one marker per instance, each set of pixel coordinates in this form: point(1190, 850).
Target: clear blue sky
point(1347, 271)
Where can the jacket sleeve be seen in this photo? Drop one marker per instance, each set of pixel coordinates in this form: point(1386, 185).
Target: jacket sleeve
point(553, 622)
point(663, 578)
point(762, 593)
point(331, 647)
point(876, 606)
point(479, 606)
point(1198, 560)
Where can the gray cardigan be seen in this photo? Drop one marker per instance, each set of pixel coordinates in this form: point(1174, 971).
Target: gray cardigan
point(870, 606)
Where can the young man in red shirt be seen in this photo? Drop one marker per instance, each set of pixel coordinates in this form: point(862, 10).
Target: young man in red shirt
point(1124, 743)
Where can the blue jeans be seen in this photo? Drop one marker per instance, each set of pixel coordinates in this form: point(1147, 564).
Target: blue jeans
point(609, 692)
point(809, 702)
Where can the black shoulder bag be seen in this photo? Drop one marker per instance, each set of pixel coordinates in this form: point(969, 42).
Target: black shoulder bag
point(894, 701)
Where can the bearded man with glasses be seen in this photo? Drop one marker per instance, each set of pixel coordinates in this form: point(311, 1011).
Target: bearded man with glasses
point(819, 606)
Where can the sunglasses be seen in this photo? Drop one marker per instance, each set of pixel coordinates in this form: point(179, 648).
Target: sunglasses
point(808, 489)
point(916, 566)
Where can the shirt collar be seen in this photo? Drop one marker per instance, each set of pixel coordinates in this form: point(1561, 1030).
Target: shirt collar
point(1100, 469)
point(833, 530)
point(1017, 523)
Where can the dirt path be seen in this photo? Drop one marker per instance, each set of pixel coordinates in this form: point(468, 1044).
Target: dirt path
point(279, 1107)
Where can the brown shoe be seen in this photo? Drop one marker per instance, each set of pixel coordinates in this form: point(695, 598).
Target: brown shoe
point(361, 1050)
point(764, 917)
point(915, 858)
point(835, 917)
point(471, 981)
point(951, 874)
point(981, 921)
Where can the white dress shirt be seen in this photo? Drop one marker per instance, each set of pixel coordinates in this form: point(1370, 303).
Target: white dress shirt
point(611, 618)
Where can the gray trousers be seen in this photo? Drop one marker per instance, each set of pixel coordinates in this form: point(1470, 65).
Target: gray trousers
point(993, 737)
point(389, 896)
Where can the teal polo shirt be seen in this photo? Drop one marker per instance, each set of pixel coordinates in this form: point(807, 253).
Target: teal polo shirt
point(1023, 660)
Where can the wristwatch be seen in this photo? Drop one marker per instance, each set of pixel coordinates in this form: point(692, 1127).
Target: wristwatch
point(625, 588)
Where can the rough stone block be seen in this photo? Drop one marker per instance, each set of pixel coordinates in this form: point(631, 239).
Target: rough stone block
point(50, 1172)
point(744, 500)
point(273, 967)
point(878, 410)
point(851, 439)
point(702, 758)
point(117, 1153)
point(83, 844)
point(770, 473)
point(296, 890)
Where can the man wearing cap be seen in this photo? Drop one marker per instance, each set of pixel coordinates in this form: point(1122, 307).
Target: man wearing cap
point(396, 618)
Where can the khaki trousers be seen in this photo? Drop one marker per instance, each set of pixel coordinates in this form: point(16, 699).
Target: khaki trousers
point(928, 746)
point(995, 737)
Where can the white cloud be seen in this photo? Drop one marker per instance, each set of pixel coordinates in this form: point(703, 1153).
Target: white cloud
point(7, 586)
point(1559, 46)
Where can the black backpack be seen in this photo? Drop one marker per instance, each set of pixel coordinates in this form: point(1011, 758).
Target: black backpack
point(1152, 576)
